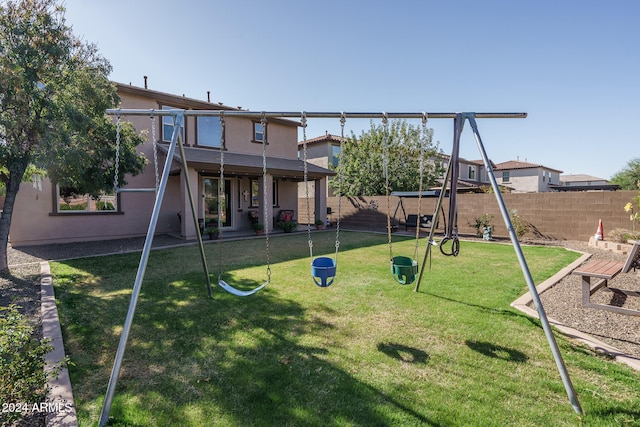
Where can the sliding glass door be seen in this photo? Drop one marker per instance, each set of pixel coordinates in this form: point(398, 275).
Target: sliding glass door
point(211, 201)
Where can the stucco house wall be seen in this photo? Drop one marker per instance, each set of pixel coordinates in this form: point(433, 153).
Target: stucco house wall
point(37, 219)
point(526, 177)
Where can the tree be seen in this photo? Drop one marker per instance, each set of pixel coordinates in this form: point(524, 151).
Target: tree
point(362, 160)
point(54, 90)
point(629, 177)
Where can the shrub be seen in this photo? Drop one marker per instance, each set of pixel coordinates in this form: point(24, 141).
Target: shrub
point(520, 226)
point(105, 206)
point(23, 378)
point(288, 226)
point(622, 235)
point(480, 223)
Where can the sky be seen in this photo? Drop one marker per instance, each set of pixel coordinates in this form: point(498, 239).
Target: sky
point(572, 66)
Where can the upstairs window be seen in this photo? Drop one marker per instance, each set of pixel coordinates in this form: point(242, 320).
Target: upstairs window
point(505, 176)
point(209, 131)
point(472, 172)
point(335, 155)
point(167, 127)
point(258, 132)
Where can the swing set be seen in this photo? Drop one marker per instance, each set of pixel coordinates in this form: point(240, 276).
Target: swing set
point(323, 269)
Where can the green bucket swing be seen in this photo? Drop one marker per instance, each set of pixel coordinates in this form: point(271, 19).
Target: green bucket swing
point(404, 269)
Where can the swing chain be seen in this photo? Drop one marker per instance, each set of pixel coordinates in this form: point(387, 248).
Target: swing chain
point(303, 123)
point(343, 121)
point(220, 192)
point(385, 169)
point(263, 122)
point(117, 161)
point(423, 138)
point(155, 151)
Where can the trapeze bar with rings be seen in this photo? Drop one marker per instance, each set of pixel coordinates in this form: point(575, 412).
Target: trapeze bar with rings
point(312, 115)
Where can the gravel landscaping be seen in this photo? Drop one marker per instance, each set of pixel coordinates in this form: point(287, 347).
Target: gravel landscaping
point(563, 303)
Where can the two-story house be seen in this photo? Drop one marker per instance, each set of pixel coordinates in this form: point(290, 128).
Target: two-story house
point(524, 177)
point(43, 216)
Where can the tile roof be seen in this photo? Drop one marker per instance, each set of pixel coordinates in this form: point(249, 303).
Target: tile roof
point(323, 138)
point(579, 178)
point(516, 164)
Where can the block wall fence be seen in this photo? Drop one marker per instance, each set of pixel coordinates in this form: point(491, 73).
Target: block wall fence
point(551, 215)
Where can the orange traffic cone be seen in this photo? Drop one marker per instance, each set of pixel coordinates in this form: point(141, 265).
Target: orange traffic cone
point(600, 233)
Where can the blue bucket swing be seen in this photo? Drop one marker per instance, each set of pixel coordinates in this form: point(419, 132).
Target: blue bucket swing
point(323, 269)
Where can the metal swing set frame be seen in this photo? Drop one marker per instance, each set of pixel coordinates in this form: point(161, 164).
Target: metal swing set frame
point(459, 121)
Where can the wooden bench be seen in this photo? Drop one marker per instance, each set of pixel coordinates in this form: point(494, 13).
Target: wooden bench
point(605, 270)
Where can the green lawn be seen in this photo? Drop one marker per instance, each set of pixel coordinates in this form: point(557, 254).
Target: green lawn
point(363, 352)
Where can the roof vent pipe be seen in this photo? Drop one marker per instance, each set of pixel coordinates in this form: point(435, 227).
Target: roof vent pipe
point(145, 82)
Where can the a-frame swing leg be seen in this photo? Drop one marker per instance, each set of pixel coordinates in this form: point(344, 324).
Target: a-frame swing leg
point(460, 118)
point(142, 266)
point(525, 270)
point(195, 218)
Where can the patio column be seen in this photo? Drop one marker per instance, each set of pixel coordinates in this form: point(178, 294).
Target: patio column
point(187, 227)
point(320, 199)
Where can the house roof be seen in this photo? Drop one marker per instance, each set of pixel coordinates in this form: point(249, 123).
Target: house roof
point(186, 102)
point(246, 164)
point(580, 178)
point(327, 137)
point(516, 164)
point(466, 186)
point(478, 162)
point(593, 187)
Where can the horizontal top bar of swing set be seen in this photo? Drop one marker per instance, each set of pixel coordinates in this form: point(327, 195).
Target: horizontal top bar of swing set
point(309, 114)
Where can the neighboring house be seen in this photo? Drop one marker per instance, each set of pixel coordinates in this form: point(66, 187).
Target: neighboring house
point(42, 216)
point(524, 177)
point(582, 182)
point(472, 175)
point(322, 151)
